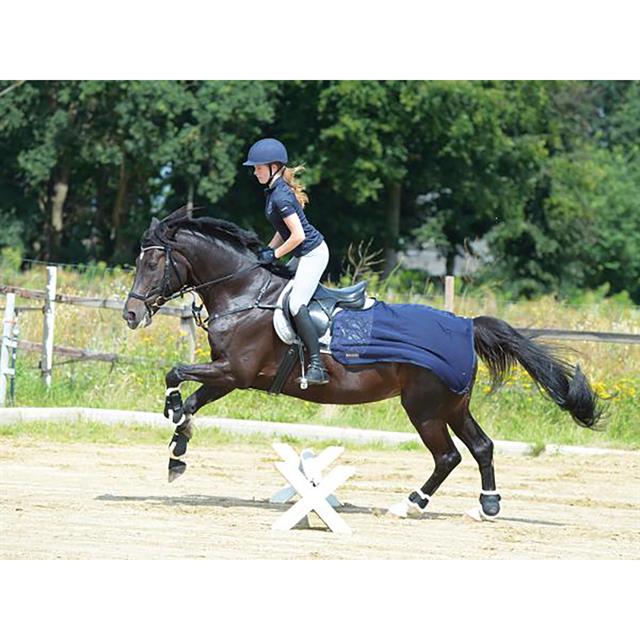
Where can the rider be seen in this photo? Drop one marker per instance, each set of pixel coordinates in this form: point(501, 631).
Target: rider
point(294, 234)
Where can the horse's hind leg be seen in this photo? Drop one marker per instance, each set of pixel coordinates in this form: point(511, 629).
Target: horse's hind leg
point(480, 445)
point(435, 435)
point(422, 402)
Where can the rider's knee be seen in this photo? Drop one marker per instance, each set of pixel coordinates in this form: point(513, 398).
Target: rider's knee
point(294, 306)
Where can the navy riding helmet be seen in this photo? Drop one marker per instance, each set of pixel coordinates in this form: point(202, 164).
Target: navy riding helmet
point(266, 151)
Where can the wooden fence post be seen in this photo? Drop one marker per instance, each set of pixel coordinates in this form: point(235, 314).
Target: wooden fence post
point(15, 339)
point(7, 327)
point(47, 332)
point(188, 326)
point(449, 285)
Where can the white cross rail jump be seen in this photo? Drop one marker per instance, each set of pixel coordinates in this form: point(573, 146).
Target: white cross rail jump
point(304, 474)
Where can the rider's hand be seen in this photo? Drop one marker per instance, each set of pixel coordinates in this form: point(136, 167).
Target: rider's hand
point(266, 256)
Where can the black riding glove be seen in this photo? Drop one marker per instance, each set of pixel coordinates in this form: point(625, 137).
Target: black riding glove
point(266, 256)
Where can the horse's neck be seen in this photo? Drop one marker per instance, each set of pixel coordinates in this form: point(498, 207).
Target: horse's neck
point(212, 261)
point(209, 259)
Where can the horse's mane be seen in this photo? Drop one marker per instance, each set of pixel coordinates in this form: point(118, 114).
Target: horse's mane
point(164, 232)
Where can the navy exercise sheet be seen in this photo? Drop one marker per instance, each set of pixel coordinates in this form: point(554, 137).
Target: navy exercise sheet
point(417, 334)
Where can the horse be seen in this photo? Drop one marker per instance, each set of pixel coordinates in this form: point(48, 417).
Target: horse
point(218, 259)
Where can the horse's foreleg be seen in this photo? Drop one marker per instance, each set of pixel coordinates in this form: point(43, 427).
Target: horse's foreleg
point(213, 374)
point(184, 432)
point(216, 383)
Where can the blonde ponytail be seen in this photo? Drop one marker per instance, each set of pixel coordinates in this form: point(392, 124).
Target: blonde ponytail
point(289, 176)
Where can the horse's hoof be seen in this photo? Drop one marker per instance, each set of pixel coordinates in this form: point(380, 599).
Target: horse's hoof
point(176, 469)
point(406, 509)
point(490, 505)
point(479, 515)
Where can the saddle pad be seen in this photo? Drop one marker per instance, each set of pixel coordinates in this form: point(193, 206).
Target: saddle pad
point(283, 327)
point(417, 334)
point(285, 331)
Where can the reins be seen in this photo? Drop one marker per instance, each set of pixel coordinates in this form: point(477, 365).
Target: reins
point(256, 305)
point(191, 289)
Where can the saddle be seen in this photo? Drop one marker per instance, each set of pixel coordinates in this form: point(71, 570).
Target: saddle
point(324, 304)
point(323, 307)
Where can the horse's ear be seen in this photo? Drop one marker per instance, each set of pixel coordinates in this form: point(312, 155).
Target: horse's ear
point(192, 209)
point(154, 223)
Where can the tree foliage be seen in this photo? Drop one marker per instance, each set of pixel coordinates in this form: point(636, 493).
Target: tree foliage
point(547, 172)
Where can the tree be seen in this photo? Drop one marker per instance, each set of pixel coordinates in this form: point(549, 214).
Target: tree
point(90, 162)
point(546, 171)
point(221, 119)
point(579, 227)
point(362, 149)
point(37, 124)
point(459, 145)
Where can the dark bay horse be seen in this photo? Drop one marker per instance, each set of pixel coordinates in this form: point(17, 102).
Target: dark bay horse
point(219, 259)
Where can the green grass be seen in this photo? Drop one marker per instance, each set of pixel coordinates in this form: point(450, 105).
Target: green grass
point(513, 413)
point(92, 432)
point(517, 412)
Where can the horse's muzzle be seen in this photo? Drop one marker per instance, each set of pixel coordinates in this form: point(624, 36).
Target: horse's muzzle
point(136, 314)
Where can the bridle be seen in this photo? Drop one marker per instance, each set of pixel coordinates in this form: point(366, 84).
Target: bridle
point(163, 287)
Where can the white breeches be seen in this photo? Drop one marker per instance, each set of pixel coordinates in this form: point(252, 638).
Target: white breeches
point(309, 270)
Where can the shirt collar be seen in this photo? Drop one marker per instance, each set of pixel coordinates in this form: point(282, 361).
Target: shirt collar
point(275, 185)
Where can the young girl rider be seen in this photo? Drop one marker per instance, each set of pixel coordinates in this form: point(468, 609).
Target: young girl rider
point(284, 208)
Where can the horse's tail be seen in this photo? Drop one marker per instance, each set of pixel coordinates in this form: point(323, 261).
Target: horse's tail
point(500, 346)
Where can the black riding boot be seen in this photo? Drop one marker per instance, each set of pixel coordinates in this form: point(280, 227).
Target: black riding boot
point(316, 373)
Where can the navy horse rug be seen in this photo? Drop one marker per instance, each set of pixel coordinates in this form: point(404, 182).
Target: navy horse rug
point(416, 334)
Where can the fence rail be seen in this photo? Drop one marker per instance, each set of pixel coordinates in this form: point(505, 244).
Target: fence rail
point(587, 336)
point(71, 352)
point(50, 297)
point(185, 313)
point(96, 303)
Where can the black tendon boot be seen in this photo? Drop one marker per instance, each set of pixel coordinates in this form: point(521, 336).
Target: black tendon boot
point(316, 373)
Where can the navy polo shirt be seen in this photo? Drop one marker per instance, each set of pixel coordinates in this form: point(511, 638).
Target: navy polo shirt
point(281, 203)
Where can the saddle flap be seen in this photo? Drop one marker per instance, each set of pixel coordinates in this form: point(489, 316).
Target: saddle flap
point(319, 316)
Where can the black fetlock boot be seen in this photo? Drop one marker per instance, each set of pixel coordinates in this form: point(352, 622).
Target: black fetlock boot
point(316, 373)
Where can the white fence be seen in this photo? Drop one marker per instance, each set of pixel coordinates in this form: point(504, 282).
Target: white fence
point(50, 297)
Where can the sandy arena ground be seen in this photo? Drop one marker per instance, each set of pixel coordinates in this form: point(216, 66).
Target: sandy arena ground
point(97, 501)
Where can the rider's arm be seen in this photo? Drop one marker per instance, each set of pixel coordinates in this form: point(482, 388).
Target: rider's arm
point(297, 235)
point(276, 241)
